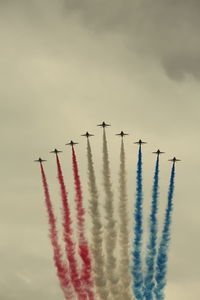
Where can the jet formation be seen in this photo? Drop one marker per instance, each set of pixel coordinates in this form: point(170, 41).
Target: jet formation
point(121, 134)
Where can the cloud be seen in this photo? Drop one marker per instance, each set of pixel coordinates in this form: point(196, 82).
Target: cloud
point(163, 31)
point(166, 31)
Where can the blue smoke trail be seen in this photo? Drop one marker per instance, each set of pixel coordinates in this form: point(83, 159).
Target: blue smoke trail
point(137, 259)
point(151, 247)
point(161, 269)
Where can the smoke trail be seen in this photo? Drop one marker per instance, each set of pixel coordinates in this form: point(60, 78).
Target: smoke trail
point(97, 240)
point(151, 247)
point(137, 259)
point(124, 261)
point(83, 245)
point(161, 270)
point(110, 227)
point(69, 244)
point(62, 269)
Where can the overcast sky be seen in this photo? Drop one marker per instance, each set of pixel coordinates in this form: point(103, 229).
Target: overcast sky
point(68, 65)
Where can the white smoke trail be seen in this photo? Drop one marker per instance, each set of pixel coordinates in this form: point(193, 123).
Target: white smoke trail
point(110, 227)
point(97, 238)
point(124, 260)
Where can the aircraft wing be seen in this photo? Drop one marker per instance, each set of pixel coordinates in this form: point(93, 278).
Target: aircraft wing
point(55, 151)
point(71, 144)
point(103, 125)
point(156, 152)
point(38, 160)
point(174, 160)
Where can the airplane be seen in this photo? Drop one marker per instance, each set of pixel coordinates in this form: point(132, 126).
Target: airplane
point(71, 143)
point(87, 134)
point(140, 142)
point(158, 152)
point(39, 160)
point(55, 151)
point(174, 159)
point(122, 134)
point(103, 124)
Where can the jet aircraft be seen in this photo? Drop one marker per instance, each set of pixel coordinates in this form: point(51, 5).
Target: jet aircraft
point(71, 143)
point(103, 124)
point(174, 159)
point(55, 151)
point(122, 134)
point(158, 152)
point(40, 160)
point(140, 142)
point(87, 134)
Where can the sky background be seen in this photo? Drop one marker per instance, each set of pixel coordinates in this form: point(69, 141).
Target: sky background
point(67, 66)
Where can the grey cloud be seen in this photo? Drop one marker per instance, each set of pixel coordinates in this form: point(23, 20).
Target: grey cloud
point(164, 30)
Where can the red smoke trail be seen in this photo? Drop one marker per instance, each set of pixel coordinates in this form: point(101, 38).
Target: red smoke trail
point(83, 245)
point(68, 236)
point(62, 269)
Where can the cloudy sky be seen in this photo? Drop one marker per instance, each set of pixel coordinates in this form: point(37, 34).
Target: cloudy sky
point(66, 66)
